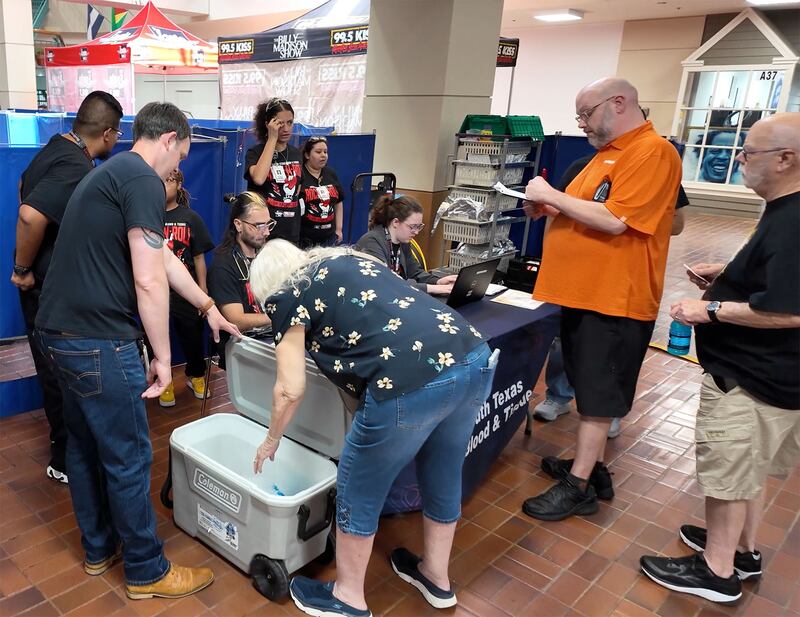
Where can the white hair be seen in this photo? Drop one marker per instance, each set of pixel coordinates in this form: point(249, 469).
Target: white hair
point(280, 265)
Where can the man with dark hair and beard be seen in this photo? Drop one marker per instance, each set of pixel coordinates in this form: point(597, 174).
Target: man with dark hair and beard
point(229, 275)
point(45, 188)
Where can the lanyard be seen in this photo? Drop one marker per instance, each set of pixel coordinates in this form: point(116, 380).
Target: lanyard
point(394, 256)
point(82, 145)
point(240, 259)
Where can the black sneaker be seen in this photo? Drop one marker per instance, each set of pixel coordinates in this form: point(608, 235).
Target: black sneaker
point(561, 501)
point(692, 575)
point(600, 478)
point(405, 564)
point(746, 564)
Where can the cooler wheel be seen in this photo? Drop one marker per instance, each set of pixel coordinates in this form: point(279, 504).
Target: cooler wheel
point(270, 577)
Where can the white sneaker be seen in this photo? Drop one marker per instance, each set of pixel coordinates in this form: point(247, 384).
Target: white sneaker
point(549, 410)
point(615, 429)
point(58, 476)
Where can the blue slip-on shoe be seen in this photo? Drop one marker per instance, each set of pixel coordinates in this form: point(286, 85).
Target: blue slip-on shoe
point(406, 566)
point(316, 598)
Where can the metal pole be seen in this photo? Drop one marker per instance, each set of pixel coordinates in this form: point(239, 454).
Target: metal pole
point(510, 90)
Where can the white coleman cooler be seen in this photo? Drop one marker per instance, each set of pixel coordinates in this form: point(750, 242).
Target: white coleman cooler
point(275, 522)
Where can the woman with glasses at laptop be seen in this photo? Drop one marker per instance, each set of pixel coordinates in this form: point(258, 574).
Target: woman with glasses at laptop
point(321, 197)
point(393, 222)
point(229, 275)
point(273, 168)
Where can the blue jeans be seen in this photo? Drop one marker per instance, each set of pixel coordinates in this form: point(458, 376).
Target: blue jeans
point(431, 425)
point(558, 386)
point(108, 450)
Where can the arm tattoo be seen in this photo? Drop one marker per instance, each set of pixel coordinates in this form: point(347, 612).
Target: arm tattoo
point(153, 239)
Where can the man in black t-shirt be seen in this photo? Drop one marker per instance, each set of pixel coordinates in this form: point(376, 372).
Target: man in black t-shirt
point(110, 263)
point(229, 275)
point(748, 342)
point(45, 188)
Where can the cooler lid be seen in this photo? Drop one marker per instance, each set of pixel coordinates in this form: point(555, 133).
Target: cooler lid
point(320, 422)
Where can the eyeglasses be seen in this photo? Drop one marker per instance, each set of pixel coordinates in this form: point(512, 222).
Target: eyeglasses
point(415, 227)
point(747, 153)
point(117, 131)
point(586, 114)
point(262, 227)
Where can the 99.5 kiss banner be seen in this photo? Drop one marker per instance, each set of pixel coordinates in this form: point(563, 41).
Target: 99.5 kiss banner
point(507, 51)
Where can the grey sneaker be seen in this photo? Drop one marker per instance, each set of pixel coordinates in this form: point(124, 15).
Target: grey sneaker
point(548, 410)
point(615, 429)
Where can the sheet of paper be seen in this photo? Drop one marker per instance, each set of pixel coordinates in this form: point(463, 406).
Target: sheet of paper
point(521, 299)
point(493, 289)
point(504, 190)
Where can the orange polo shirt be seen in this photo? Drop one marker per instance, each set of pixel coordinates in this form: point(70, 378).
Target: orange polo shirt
point(619, 275)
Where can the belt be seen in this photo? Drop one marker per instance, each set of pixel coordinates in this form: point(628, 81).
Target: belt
point(726, 384)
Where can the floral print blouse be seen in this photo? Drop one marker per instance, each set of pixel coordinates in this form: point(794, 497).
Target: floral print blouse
point(368, 328)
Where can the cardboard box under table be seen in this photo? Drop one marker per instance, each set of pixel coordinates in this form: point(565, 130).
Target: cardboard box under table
point(273, 523)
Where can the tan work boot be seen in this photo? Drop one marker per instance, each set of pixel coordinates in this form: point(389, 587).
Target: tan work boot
point(177, 583)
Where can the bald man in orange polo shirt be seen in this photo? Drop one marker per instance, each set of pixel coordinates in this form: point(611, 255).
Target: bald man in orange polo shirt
point(603, 262)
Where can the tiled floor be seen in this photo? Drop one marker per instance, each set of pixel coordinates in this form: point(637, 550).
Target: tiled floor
point(503, 562)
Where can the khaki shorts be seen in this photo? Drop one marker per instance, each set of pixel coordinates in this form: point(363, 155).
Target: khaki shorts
point(740, 440)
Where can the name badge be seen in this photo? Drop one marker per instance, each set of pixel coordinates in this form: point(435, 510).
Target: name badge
point(278, 174)
point(324, 193)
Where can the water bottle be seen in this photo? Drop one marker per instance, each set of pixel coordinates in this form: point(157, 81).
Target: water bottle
point(680, 338)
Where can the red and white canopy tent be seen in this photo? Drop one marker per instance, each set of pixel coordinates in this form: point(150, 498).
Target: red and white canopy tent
point(148, 43)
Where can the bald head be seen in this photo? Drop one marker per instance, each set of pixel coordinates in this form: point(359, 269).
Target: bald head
point(606, 109)
point(772, 168)
point(780, 131)
point(611, 86)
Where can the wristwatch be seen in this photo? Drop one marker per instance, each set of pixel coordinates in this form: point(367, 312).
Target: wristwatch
point(21, 270)
point(712, 309)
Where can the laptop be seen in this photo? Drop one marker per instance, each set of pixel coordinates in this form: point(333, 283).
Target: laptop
point(472, 282)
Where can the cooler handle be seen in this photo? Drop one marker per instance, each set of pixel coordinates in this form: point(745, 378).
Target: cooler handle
point(303, 514)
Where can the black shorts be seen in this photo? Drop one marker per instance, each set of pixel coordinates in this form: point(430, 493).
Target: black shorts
point(602, 358)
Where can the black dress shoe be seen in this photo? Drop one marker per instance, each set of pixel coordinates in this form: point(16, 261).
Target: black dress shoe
point(561, 501)
point(600, 478)
point(692, 575)
point(746, 564)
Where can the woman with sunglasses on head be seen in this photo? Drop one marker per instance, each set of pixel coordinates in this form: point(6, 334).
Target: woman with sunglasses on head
point(393, 223)
point(321, 196)
point(249, 228)
point(273, 168)
point(187, 236)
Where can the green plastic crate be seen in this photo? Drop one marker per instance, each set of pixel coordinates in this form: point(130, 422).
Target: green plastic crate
point(526, 126)
point(496, 125)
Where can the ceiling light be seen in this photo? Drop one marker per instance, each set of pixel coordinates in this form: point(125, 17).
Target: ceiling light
point(771, 2)
point(561, 15)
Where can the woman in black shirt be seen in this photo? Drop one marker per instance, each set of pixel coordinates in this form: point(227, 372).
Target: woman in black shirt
point(273, 167)
point(421, 373)
point(321, 196)
point(393, 222)
point(187, 236)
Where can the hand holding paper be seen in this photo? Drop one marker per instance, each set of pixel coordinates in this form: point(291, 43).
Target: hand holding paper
point(504, 190)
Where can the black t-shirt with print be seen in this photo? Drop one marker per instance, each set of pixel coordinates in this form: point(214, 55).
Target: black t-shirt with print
point(282, 193)
point(89, 290)
point(319, 196)
point(366, 328)
point(229, 283)
point(47, 185)
point(186, 235)
point(765, 274)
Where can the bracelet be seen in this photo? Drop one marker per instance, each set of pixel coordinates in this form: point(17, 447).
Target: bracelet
point(272, 440)
point(203, 310)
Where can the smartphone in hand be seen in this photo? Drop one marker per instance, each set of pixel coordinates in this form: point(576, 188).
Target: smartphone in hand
point(693, 273)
